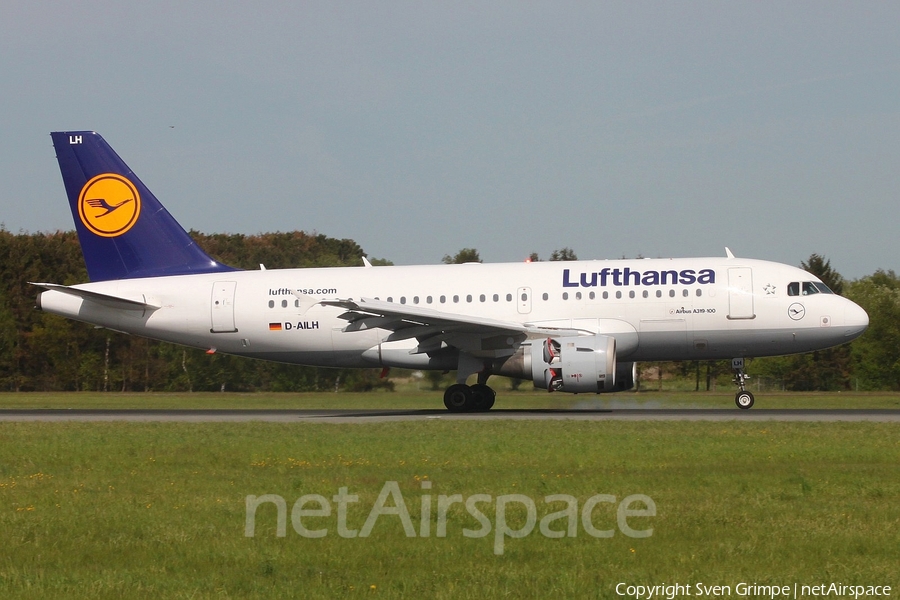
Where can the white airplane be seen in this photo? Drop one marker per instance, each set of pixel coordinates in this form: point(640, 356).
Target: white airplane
point(576, 326)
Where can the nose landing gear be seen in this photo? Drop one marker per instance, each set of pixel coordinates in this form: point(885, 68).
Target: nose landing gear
point(743, 398)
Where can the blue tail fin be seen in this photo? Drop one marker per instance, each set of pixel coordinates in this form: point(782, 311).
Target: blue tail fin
point(123, 229)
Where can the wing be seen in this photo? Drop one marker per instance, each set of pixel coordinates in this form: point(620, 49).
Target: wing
point(436, 329)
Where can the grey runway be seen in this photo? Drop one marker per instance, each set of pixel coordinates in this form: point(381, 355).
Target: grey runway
point(380, 415)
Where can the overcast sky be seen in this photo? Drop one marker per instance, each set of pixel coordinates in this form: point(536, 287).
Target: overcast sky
point(416, 129)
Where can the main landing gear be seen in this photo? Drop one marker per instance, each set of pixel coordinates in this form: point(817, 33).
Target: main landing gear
point(460, 397)
point(743, 398)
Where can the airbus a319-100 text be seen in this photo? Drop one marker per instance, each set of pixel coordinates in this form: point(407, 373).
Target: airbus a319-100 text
point(576, 326)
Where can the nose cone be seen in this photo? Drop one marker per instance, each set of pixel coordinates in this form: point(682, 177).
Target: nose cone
point(856, 320)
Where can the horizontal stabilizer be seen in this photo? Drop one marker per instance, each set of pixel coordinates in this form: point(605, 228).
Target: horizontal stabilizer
point(97, 297)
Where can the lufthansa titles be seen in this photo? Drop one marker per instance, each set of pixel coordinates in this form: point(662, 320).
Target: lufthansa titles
point(629, 277)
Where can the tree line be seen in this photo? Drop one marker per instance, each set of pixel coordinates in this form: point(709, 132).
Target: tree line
point(44, 352)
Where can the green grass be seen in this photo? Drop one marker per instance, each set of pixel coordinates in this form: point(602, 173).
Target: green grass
point(150, 510)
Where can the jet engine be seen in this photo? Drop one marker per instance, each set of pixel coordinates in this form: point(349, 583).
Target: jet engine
point(575, 364)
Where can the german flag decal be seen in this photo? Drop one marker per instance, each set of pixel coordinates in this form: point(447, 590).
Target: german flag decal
point(274, 326)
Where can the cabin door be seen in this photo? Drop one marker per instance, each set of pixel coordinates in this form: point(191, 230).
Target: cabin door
point(740, 293)
point(222, 307)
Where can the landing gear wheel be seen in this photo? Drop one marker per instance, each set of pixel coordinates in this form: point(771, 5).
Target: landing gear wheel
point(744, 400)
point(482, 397)
point(458, 398)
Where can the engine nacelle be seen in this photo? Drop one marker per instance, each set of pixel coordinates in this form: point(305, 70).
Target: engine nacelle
point(626, 375)
point(574, 364)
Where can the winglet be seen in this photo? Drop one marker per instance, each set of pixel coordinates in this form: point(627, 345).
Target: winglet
point(728, 252)
point(304, 301)
point(366, 262)
point(124, 230)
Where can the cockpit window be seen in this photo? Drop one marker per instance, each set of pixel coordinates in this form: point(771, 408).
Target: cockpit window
point(807, 288)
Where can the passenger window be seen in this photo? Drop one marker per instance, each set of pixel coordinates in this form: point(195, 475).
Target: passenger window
point(565, 295)
point(509, 297)
point(402, 299)
point(455, 299)
point(284, 304)
point(631, 294)
point(443, 299)
point(578, 295)
point(469, 298)
point(671, 293)
point(606, 295)
point(496, 298)
point(415, 299)
point(659, 293)
point(481, 298)
point(592, 295)
point(618, 295)
point(684, 293)
point(428, 299)
point(271, 304)
point(390, 298)
point(699, 292)
point(646, 294)
point(545, 296)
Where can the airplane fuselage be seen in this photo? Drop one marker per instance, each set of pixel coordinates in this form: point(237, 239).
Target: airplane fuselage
point(656, 309)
